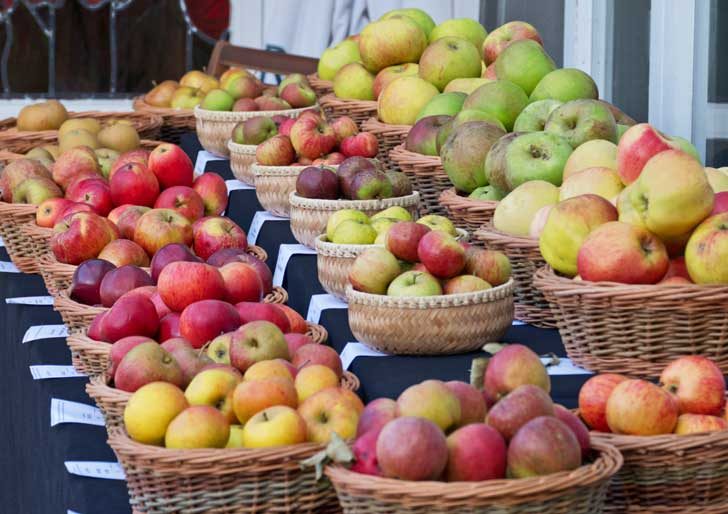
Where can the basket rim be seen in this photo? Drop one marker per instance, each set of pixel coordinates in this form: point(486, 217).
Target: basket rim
point(401, 152)
point(665, 442)
point(488, 228)
point(229, 116)
point(380, 125)
point(140, 105)
point(451, 197)
point(261, 170)
point(335, 205)
point(331, 98)
point(242, 149)
point(154, 120)
point(329, 249)
point(354, 297)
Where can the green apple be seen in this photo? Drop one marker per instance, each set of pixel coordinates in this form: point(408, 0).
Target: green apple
point(580, 121)
point(487, 193)
point(390, 41)
point(524, 63)
point(381, 225)
point(335, 57)
point(466, 28)
point(621, 129)
point(106, 157)
point(565, 84)
point(447, 59)
point(533, 117)
point(343, 215)
point(443, 134)
point(473, 115)
point(218, 100)
point(495, 162)
point(401, 101)
point(444, 104)
point(516, 210)
point(463, 154)
point(354, 82)
point(502, 98)
point(686, 146)
point(437, 222)
point(382, 237)
point(396, 212)
point(420, 17)
point(466, 86)
point(353, 232)
point(414, 283)
point(293, 78)
point(536, 156)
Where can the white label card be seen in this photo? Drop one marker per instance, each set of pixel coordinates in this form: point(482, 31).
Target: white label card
point(72, 512)
point(256, 224)
point(46, 371)
point(30, 300)
point(64, 411)
point(203, 157)
point(235, 184)
point(353, 350)
point(321, 302)
point(517, 323)
point(8, 267)
point(564, 367)
point(2, 243)
point(45, 332)
point(96, 469)
point(285, 252)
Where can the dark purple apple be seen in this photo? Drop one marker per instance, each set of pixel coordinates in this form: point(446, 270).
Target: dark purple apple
point(315, 182)
point(348, 169)
point(422, 137)
point(120, 281)
point(370, 184)
point(171, 253)
point(87, 278)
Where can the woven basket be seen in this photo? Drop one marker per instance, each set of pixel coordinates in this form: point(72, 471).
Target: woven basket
point(175, 122)
point(15, 216)
point(242, 158)
point(525, 257)
point(636, 329)
point(388, 136)
point(320, 86)
point(427, 176)
point(38, 237)
point(430, 325)
point(468, 213)
point(309, 216)
point(582, 491)
point(676, 473)
point(274, 185)
point(215, 127)
point(357, 110)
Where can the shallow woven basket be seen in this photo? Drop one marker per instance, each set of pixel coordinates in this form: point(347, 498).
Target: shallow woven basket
point(388, 136)
point(636, 329)
point(427, 176)
point(320, 86)
point(175, 122)
point(274, 185)
point(525, 257)
point(242, 158)
point(14, 217)
point(430, 325)
point(468, 213)
point(215, 127)
point(309, 216)
point(357, 110)
point(582, 491)
point(38, 237)
point(676, 473)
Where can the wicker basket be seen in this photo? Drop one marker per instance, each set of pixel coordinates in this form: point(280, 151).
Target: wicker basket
point(357, 110)
point(274, 185)
point(320, 86)
point(636, 329)
point(242, 158)
point(427, 176)
point(468, 213)
point(215, 127)
point(430, 325)
point(582, 491)
point(38, 237)
point(525, 257)
point(15, 216)
point(388, 136)
point(309, 216)
point(175, 122)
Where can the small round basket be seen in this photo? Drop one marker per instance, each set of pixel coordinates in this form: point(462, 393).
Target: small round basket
point(175, 122)
point(427, 176)
point(242, 158)
point(525, 257)
point(320, 86)
point(388, 136)
point(582, 491)
point(636, 329)
point(357, 110)
point(309, 216)
point(468, 213)
point(214, 127)
point(430, 325)
point(274, 185)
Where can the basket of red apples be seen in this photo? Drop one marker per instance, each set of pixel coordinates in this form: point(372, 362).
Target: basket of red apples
point(673, 436)
point(309, 140)
point(357, 184)
point(426, 278)
point(440, 448)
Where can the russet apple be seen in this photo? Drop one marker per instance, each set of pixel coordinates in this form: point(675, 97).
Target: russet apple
point(465, 151)
point(638, 407)
point(86, 281)
point(214, 387)
point(157, 228)
point(81, 236)
point(146, 363)
point(121, 280)
point(151, 409)
point(565, 85)
point(543, 446)
point(513, 366)
point(699, 423)
point(412, 448)
point(198, 426)
point(182, 283)
point(204, 320)
point(697, 384)
point(476, 452)
point(121, 252)
point(252, 396)
point(432, 400)
point(213, 191)
point(274, 426)
point(706, 250)
point(593, 397)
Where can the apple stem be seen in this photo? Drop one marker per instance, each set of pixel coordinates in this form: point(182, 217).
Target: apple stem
point(265, 416)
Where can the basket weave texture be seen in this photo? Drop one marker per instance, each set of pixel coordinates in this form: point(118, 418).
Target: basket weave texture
point(175, 122)
point(242, 158)
point(357, 110)
point(388, 137)
point(15, 216)
point(274, 185)
point(427, 176)
point(468, 213)
point(636, 329)
point(320, 86)
point(309, 216)
point(333, 262)
point(431, 325)
point(525, 257)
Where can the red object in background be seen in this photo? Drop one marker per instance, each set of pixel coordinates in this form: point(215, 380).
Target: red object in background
point(210, 16)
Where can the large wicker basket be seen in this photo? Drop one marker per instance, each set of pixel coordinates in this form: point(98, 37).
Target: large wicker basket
point(427, 176)
point(430, 325)
point(525, 257)
point(468, 213)
point(309, 216)
point(582, 491)
point(636, 329)
point(15, 216)
point(320, 86)
point(242, 158)
point(388, 137)
point(357, 110)
point(215, 127)
point(274, 185)
point(175, 122)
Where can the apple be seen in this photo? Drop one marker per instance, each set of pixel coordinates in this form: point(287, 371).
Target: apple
point(86, 281)
point(312, 354)
point(121, 252)
point(204, 320)
point(296, 321)
point(73, 164)
point(96, 328)
point(513, 366)
point(579, 121)
point(492, 266)
point(706, 251)
point(593, 398)
point(354, 82)
point(476, 452)
point(81, 236)
point(219, 348)
point(182, 199)
point(536, 156)
point(402, 100)
point(146, 363)
point(133, 183)
point(565, 85)
point(312, 379)
point(329, 411)
point(189, 359)
point(173, 252)
point(524, 63)
point(215, 233)
point(244, 105)
point(265, 369)
point(431, 400)
point(120, 281)
point(121, 347)
point(312, 137)
point(637, 146)
point(18, 171)
point(91, 191)
point(461, 27)
point(318, 182)
point(638, 407)
point(543, 446)
point(696, 383)
point(242, 283)
point(521, 405)
point(403, 238)
point(157, 228)
point(213, 191)
point(604, 182)
point(441, 254)
point(449, 58)
point(276, 151)
point(373, 270)
point(577, 426)
point(508, 33)
point(414, 283)
point(151, 409)
point(464, 284)
point(387, 42)
point(275, 426)
point(35, 190)
point(271, 103)
point(198, 426)
point(226, 255)
point(296, 341)
point(334, 57)
point(422, 138)
point(171, 165)
point(344, 127)
point(363, 144)
point(50, 211)
point(182, 283)
point(420, 17)
point(500, 98)
point(412, 448)
point(699, 423)
point(131, 315)
point(472, 404)
point(244, 86)
point(256, 341)
point(386, 75)
point(596, 153)
point(254, 131)
point(348, 170)
point(214, 387)
point(370, 184)
point(464, 153)
point(253, 311)
point(533, 117)
point(375, 415)
point(365, 454)
point(252, 396)
point(127, 218)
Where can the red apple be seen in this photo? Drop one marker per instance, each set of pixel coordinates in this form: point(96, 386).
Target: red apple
point(699, 423)
point(344, 127)
point(363, 144)
point(441, 254)
point(412, 448)
point(72, 164)
point(491, 265)
point(189, 359)
point(403, 239)
point(145, 363)
point(216, 233)
point(169, 327)
point(312, 137)
point(375, 415)
point(696, 383)
point(284, 128)
point(475, 452)
point(132, 315)
point(227, 255)
point(81, 236)
point(276, 151)
point(139, 156)
point(310, 354)
point(499, 39)
point(120, 252)
point(86, 281)
point(720, 203)
point(121, 280)
point(472, 404)
point(295, 320)
point(365, 454)
point(92, 191)
point(171, 166)
point(182, 199)
point(576, 425)
point(213, 191)
point(202, 321)
point(593, 398)
point(133, 183)
point(50, 211)
point(638, 407)
point(159, 305)
point(121, 347)
point(637, 146)
point(174, 252)
point(295, 341)
point(513, 366)
point(517, 408)
point(157, 228)
point(543, 446)
point(125, 217)
point(242, 283)
point(252, 311)
point(677, 268)
point(183, 283)
point(74, 208)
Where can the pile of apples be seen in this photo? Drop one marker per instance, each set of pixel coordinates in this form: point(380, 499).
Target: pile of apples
point(236, 90)
point(689, 399)
point(455, 432)
point(306, 140)
point(419, 261)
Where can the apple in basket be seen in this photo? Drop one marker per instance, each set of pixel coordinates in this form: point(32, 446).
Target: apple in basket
point(81, 236)
point(257, 341)
point(198, 426)
point(638, 407)
point(182, 199)
point(475, 452)
point(139, 155)
point(252, 396)
point(86, 281)
point(275, 426)
point(699, 423)
point(173, 252)
point(227, 255)
point(133, 183)
point(213, 191)
point(543, 446)
point(576, 425)
point(171, 165)
point(412, 448)
point(313, 354)
point(242, 282)
point(697, 384)
point(159, 227)
point(276, 151)
point(93, 191)
point(375, 415)
point(132, 315)
point(517, 408)
point(312, 137)
point(125, 217)
point(190, 361)
point(331, 410)
point(363, 144)
point(513, 366)
point(593, 398)
point(204, 320)
point(214, 387)
point(51, 211)
point(151, 409)
point(253, 311)
point(73, 164)
point(432, 400)
point(182, 283)
point(121, 280)
point(120, 252)
point(472, 404)
point(169, 327)
point(344, 127)
point(500, 38)
point(214, 233)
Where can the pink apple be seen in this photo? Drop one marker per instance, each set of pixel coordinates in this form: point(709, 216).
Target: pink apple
point(472, 404)
point(50, 211)
point(171, 253)
point(344, 127)
point(363, 144)
point(120, 252)
point(720, 203)
point(183, 283)
point(215, 233)
point(92, 191)
point(171, 165)
point(441, 254)
point(312, 137)
point(213, 191)
point(296, 340)
point(242, 283)
point(697, 383)
point(139, 156)
point(285, 126)
point(133, 183)
point(475, 452)
point(375, 415)
point(182, 199)
point(121, 347)
point(593, 398)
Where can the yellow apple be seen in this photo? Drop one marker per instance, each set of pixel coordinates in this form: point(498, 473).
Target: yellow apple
point(329, 411)
point(252, 396)
point(437, 222)
point(198, 426)
point(312, 379)
point(151, 409)
point(264, 370)
point(236, 437)
point(604, 182)
point(597, 153)
point(706, 253)
point(465, 85)
point(214, 387)
point(403, 99)
point(395, 212)
point(516, 211)
point(627, 212)
point(431, 400)
point(274, 426)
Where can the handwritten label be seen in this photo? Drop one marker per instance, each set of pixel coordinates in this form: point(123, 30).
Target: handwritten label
point(256, 224)
point(47, 371)
point(235, 185)
point(30, 300)
point(203, 157)
point(353, 350)
point(285, 253)
point(321, 302)
point(96, 469)
point(45, 332)
point(64, 411)
point(8, 267)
